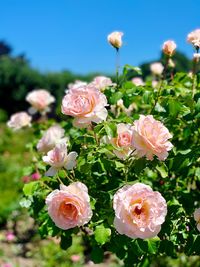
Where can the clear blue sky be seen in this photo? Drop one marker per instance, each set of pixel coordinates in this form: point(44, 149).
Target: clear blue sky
point(71, 34)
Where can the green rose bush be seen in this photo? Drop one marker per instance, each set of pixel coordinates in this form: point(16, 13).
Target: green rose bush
point(122, 166)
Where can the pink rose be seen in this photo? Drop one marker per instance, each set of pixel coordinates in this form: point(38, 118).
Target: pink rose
point(40, 99)
point(115, 39)
point(150, 137)
point(156, 68)
point(194, 38)
point(197, 218)
point(70, 206)
point(101, 82)
point(19, 120)
point(58, 158)
point(169, 48)
point(86, 104)
point(123, 141)
point(138, 81)
point(139, 211)
point(50, 138)
point(75, 85)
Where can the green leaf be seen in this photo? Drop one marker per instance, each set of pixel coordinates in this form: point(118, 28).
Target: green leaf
point(97, 255)
point(29, 188)
point(162, 170)
point(110, 129)
point(66, 241)
point(62, 174)
point(153, 245)
point(102, 234)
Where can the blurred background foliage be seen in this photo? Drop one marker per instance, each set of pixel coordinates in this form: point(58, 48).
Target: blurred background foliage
point(17, 77)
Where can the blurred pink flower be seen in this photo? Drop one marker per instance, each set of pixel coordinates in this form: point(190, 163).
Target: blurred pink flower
point(115, 39)
point(26, 179)
point(194, 38)
point(139, 211)
point(169, 47)
point(123, 141)
point(138, 81)
point(58, 158)
point(150, 137)
point(75, 258)
point(197, 218)
point(50, 138)
point(40, 99)
point(154, 83)
point(157, 68)
point(10, 236)
point(86, 104)
point(19, 120)
point(35, 176)
point(6, 264)
point(70, 206)
point(101, 82)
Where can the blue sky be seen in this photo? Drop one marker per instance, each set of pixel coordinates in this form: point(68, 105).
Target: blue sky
point(72, 34)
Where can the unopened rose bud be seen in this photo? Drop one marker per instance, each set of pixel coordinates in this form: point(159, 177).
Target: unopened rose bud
point(35, 176)
point(169, 47)
point(115, 39)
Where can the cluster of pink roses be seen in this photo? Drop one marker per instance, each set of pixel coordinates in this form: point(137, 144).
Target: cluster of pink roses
point(139, 211)
point(147, 137)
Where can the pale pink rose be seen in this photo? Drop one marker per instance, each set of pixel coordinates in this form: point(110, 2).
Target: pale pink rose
point(19, 120)
point(70, 206)
point(197, 218)
point(115, 39)
point(169, 48)
point(40, 99)
point(86, 104)
point(101, 82)
point(150, 137)
point(138, 81)
point(156, 68)
point(194, 38)
point(139, 211)
point(123, 141)
point(196, 57)
point(75, 85)
point(58, 158)
point(51, 137)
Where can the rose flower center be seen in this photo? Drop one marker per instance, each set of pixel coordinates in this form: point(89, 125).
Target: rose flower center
point(68, 210)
